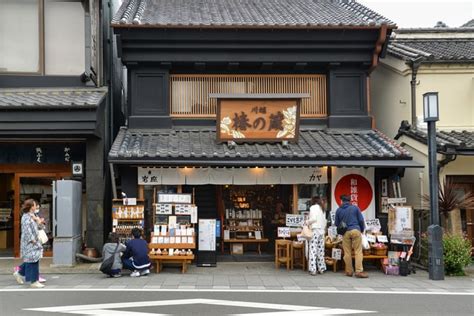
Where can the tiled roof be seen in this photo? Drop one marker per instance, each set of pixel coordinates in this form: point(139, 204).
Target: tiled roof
point(468, 24)
point(247, 13)
point(454, 49)
point(50, 98)
point(460, 141)
point(162, 146)
point(435, 44)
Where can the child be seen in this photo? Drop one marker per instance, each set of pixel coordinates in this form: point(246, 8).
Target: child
point(136, 257)
point(111, 249)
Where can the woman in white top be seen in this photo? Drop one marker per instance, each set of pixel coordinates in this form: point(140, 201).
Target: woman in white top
point(317, 222)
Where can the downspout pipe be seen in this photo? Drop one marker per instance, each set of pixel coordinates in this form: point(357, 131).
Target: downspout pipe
point(450, 156)
point(415, 65)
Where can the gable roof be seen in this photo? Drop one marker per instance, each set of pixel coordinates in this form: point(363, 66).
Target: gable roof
point(51, 98)
point(195, 146)
point(247, 13)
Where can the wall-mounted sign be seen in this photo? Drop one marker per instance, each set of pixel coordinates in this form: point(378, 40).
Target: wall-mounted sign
point(174, 198)
point(243, 120)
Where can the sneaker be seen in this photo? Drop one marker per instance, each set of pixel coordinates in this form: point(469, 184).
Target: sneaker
point(116, 275)
point(313, 273)
point(18, 277)
point(145, 272)
point(349, 274)
point(135, 274)
point(37, 285)
point(41, 279)
point(362, 275)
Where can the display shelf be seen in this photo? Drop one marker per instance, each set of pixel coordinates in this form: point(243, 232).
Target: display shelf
point(133, 217)
point(172, 246)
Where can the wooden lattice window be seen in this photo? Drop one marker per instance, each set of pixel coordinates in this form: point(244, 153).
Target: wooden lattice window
point(189, 95)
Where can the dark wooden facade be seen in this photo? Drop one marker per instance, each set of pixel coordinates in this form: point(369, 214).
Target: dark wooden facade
point(344, 56)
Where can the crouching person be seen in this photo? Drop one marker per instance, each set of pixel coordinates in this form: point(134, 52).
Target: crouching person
point(136, 257)
point(113, 248)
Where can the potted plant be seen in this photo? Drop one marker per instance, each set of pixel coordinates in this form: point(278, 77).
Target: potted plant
point(450, 205)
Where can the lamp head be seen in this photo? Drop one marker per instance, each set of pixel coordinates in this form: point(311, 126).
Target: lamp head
point(430, 107)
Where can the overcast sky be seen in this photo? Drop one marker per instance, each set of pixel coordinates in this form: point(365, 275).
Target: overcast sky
point(423, 13)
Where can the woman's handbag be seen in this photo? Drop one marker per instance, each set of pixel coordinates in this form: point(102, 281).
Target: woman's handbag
point(306, 232)
point(42, 237)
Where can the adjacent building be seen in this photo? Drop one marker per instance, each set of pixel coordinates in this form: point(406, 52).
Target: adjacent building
point(439, 60)
point(55, 110)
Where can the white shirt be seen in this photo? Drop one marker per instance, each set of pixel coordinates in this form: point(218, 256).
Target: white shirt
point(317, 219)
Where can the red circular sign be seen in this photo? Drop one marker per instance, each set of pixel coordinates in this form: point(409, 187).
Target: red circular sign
point(357, 187)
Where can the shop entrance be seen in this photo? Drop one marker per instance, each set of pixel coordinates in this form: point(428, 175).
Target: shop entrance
point(250, 217)
point(18, 183)
point(6, 214)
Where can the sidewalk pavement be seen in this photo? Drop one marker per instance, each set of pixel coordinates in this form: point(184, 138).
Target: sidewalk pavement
point(239, 276)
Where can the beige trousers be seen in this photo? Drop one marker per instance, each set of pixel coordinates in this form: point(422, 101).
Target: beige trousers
point(353, 240)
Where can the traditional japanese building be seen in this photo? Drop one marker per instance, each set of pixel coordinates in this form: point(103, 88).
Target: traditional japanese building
point(258, 101)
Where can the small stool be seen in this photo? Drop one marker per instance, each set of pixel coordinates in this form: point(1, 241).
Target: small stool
point(298, 255)
point(283, 253)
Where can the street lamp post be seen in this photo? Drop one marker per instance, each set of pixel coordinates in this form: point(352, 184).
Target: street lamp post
point(435, 233)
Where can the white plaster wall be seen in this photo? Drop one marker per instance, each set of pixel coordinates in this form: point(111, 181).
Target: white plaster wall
point(390, 95)
point(455, 85)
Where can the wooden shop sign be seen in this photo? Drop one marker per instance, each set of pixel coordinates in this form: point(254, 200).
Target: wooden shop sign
point(251, 120)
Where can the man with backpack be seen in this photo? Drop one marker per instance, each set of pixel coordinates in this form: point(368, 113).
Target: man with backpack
point(351, 224)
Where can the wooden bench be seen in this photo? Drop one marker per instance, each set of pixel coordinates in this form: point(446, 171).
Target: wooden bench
point(183, 260)
point(365, 257)
point(246, 241)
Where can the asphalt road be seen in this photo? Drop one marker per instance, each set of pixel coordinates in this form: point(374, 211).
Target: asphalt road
point(182, 302)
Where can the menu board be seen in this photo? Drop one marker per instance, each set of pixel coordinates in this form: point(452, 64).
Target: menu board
point(207, 235)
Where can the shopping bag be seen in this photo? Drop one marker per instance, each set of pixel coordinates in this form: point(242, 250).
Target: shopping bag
point(42, 237)
point(365, 242)
point(306, 233)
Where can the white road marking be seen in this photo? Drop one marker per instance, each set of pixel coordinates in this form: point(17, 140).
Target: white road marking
point(110, 309)
point(436, 291)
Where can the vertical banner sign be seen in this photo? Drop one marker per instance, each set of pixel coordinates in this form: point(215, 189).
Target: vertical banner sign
point(358, 183)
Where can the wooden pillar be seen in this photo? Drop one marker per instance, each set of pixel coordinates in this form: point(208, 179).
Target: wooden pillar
point(295, 199)
point(141, 192)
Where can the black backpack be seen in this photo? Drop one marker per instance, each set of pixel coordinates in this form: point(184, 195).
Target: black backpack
point(342, 227)
point(106, 266)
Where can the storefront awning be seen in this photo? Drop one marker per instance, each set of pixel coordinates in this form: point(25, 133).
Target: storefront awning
point(315, 147)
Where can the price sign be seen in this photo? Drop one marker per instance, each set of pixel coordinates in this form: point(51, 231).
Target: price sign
point(294, 220)
point(332, 231)
point(336, 253)
point(382, 238)
point(165, 209)
point(183, 209)
point(129, 201)
point(284, 232)
point(370, 238)
point(373, 225)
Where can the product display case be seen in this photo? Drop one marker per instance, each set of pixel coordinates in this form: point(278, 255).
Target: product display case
point(126, 215)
